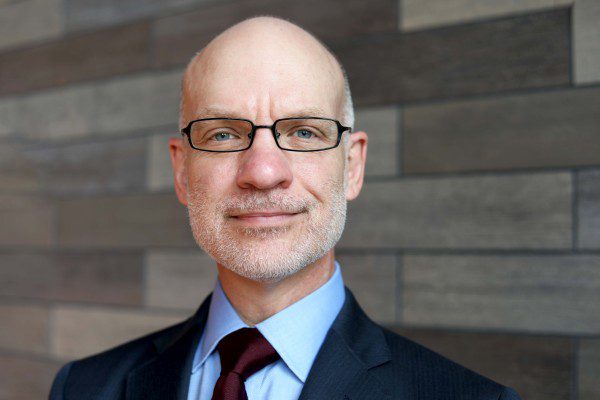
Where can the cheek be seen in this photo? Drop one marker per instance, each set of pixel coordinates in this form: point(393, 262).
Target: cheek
point(210, 176)
point(320, 174)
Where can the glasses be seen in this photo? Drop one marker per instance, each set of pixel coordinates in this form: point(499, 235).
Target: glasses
point(292, 134)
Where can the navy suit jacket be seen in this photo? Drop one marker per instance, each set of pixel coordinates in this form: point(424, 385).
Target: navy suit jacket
point(359, 360)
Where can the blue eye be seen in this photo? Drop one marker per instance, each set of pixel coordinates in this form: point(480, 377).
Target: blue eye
point(222, 136)
point(304, 134)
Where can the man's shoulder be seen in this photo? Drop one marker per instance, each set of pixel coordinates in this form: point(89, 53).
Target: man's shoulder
point(431, 374)
point(406, 369)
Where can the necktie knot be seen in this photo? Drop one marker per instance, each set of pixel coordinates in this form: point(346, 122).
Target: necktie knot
point(242, 353)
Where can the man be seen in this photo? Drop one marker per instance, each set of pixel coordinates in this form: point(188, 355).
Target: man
point(265, 167)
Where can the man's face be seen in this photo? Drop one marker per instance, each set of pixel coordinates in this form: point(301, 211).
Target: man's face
point(264, 213)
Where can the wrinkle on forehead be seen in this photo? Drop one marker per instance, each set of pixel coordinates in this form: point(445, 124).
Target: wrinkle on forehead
point(261, 49)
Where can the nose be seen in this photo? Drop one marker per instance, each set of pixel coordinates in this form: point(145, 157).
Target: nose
point(264, 165)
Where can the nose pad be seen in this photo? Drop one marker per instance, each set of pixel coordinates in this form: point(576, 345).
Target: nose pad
point(264, 166)
point(272, 130)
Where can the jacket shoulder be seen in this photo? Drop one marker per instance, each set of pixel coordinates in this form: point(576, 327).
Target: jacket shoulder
point(103, 375)
point(421, 373)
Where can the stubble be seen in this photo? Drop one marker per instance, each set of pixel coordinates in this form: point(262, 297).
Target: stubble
point(268, 253)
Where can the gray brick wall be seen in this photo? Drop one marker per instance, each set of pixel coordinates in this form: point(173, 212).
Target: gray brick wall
point(477, 232)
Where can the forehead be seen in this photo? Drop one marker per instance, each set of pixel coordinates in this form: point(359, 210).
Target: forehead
point(230, 112)
point(256, 75)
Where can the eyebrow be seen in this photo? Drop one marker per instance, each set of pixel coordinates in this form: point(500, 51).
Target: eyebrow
point(309, 112)
point(218, 112)
point(215, 112)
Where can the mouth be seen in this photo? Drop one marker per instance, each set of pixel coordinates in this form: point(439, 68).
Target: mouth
point(264, 218)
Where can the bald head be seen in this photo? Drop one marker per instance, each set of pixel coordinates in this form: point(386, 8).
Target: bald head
point(265, 67)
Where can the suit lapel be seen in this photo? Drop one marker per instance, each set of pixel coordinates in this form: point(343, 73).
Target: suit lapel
point(169, 372)
point(346, 366)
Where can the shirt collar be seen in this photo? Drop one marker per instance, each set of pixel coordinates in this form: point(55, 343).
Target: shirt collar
point(296, 332)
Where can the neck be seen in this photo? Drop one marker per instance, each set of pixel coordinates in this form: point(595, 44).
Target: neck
point(256, 301)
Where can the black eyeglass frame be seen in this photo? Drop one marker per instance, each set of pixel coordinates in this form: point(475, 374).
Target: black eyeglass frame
point(341, 129)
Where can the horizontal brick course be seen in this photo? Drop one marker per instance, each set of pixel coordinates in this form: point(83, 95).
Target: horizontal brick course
point(24, 328)
point(18, 175)
point(79, 331)
point(75, 59)
point(57, 114)
point(86, 14)
point(505, 292)
point(26, 221)
point(382, 124)
point(73, 276)
point(123, 221)
point(589, 369)
point(178, 279)
point(530, 51)
point(159, 172)
point(74, 168)
point(586, 46)
point(9, 119)
point(588, 209)
point(93, 167)
point(525, 211)
point(547, 129)
point(422, 14)
point(138, 102)
point(30, 21)
point(23, 378)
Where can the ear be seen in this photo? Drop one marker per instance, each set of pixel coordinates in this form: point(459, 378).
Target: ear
point(357, 156)
point(178, 149)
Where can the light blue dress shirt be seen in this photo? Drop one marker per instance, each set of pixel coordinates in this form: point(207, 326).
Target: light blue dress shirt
point(296, 332)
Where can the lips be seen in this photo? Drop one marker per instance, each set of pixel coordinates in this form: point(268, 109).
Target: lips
point(260, 218)
point(262, 214)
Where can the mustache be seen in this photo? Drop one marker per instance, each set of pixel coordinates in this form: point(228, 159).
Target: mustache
point(264, 201)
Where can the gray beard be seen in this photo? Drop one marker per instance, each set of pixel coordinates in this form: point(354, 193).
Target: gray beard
point(254, 252)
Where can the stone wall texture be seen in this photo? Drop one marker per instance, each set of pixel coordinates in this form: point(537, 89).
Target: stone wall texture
point(477, 233)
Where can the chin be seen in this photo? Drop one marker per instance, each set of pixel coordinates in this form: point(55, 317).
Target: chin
point(271, 233)
point(259, 256)
point(262, 261)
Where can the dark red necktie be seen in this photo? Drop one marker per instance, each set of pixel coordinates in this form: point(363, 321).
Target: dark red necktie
point(242, 353)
